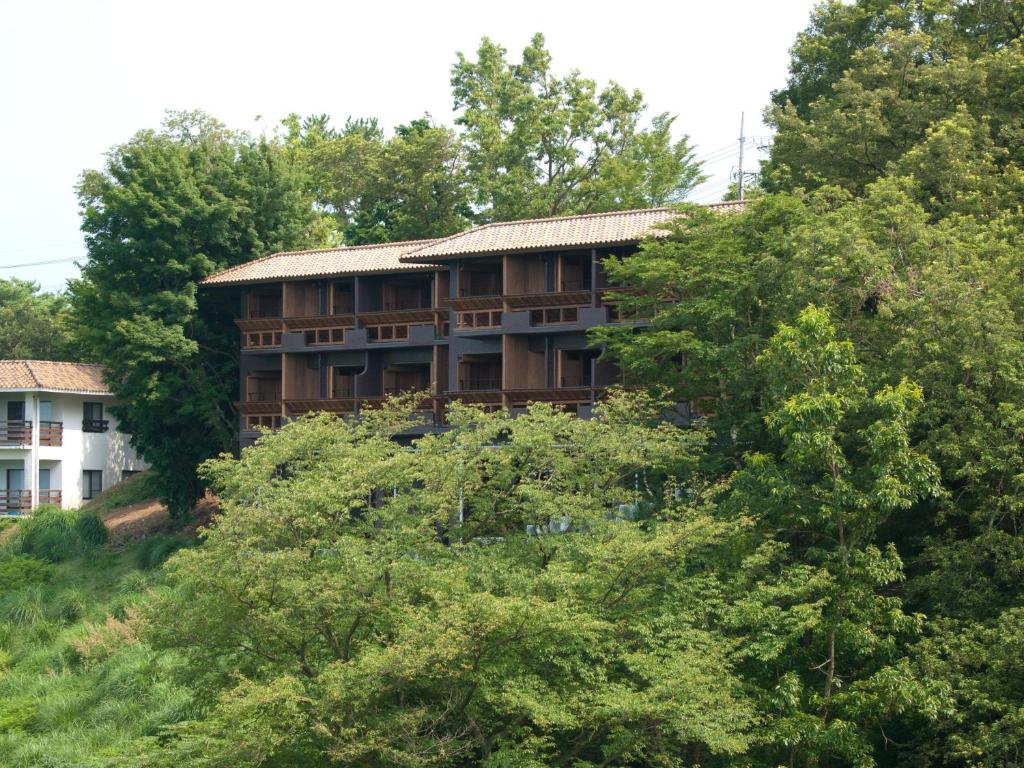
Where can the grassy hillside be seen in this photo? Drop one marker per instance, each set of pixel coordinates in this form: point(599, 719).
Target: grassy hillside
point(77, 686)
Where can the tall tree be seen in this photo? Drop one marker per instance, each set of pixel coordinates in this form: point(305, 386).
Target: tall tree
point(406, 187)
point(169, 208)
point(539, 144)
point(34, 325)
point(869, 79)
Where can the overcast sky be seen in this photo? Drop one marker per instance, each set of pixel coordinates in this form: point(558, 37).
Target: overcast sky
point(79, 77)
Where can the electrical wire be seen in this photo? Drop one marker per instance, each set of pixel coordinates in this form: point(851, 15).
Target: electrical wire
point(37, 263)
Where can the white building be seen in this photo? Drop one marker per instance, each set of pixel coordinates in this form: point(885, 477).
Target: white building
point(59, 443)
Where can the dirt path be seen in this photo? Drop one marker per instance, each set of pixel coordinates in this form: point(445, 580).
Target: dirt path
point(136, 520)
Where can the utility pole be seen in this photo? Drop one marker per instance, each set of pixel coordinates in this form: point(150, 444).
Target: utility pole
point(740, 174)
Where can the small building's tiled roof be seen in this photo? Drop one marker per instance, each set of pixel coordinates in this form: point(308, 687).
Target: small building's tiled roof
point(611, 228)
point(52, 376)
point(325, 262)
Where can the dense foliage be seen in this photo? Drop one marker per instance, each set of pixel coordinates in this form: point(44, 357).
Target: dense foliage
point(514, 592)
point(170, 208)
point(825, 569)
point(33, 324)
point(894, 208)
point(542, 145)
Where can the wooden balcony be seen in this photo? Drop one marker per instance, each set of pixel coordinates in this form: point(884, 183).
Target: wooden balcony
point(20, 433)
point(16, 432)
point(15, 501)
point(51, 433)
point(50, 496)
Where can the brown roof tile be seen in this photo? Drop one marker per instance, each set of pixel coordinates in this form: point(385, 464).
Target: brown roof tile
point(613, 227)
point(532, 234)
point(52, 376)
point(325, 262)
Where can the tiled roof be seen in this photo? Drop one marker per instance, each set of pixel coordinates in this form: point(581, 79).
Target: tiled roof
point(326, 262)
point(52, 376)
point(532, 234)
point(563, 231)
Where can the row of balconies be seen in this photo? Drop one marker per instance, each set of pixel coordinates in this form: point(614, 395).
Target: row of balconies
point(509, 314)
point(18, 432)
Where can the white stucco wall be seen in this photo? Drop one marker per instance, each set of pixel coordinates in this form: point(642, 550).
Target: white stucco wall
point(109, 452)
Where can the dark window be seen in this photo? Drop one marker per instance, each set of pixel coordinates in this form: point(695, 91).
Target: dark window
point(15, 410)
point(126, 473)
point(92, 483)
point(92, 418)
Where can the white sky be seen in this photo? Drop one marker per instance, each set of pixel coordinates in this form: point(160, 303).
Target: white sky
point(79, 77)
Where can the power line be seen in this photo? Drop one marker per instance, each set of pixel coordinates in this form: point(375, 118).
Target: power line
point(36, 263)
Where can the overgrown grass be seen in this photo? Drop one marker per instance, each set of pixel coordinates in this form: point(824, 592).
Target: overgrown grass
point(77, 685)
point(129, 491)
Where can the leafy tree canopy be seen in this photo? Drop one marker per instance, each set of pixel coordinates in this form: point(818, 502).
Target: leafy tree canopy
point(34, 325)
point(513, 592)
point(169, 208)
point(870, 79)
point(539, 144)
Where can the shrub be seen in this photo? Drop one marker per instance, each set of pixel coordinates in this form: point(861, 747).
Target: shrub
point(25, 606)
point(90, 530)
point(152, 552)
point(49, 534)
point(20, 571)
point(15, 714)
point(71, 604)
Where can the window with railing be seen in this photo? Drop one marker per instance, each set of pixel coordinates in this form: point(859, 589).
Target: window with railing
point(261, 339)
point(264, 304)
point(262, 421)
point(387, 332)
point(263, 389)
point(325, 336)
point(92, 418)
point(485, 319)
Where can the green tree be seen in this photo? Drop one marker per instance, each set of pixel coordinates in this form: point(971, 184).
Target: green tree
point(360, 604)
point(169, 208)
point(33, 325)
point(406, 187)
point(538, 144)
point(868, 79)
point(841, 463)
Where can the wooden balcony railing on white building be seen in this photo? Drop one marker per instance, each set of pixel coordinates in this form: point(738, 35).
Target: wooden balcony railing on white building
point(15, 501)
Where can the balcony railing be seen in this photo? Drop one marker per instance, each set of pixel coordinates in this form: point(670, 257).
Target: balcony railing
point(263, 395)
point(49, 496)
point(476, 384)
point(51, 433)
point(15, 432)
point(15, 500)
point(95, 425)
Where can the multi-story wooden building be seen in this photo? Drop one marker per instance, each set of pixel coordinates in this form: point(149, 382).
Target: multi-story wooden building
point(496, 315)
